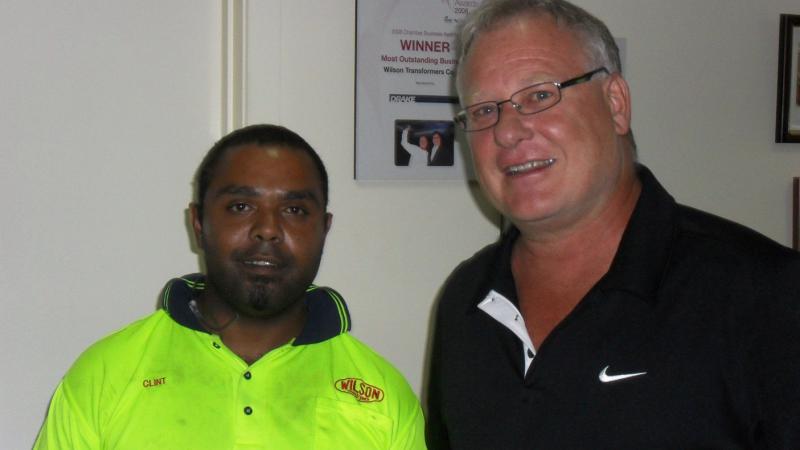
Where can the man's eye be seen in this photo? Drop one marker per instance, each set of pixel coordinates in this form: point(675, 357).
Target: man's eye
point(483, 111)
point(296, 210)
point(239, 207)
point(538, 96)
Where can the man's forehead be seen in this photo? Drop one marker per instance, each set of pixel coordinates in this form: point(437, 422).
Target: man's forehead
point(269, 155)
point(525, 51)
point(275, 151)
point(265, 165)
point(272, 151)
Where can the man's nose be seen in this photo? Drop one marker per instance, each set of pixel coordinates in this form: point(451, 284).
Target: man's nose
point(266, 226)
point(511, 127)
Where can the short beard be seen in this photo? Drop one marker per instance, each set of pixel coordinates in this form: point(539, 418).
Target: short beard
point(264, 300)
point(259, 298)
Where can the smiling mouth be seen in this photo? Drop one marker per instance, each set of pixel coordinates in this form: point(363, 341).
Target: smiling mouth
point(261, 263)
point(529, 166)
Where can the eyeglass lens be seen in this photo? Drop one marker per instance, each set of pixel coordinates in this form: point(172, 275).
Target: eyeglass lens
point(530, 100)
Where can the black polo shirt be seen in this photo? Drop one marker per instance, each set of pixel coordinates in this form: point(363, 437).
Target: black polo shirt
point(691, 340)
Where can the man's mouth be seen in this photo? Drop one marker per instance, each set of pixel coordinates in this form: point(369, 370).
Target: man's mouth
point(263, 262)
point(534, 164)
point(260, 263)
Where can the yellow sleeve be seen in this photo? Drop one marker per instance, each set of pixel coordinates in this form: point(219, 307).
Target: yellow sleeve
point(66, 426)
point(411, 435)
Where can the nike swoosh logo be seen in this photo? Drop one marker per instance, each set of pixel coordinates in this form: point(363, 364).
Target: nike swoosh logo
point(606, 378)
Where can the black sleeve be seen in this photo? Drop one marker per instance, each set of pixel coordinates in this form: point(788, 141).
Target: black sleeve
point(436, 436)
point(776, 356)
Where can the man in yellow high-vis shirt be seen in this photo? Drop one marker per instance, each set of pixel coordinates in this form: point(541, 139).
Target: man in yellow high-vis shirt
point(250, 355)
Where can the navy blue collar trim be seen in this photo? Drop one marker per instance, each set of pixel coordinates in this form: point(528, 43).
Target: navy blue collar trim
point(328, 315)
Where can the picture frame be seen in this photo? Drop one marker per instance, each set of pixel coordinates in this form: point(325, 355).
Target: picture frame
point(787, 123)
point(405, 96)
point(796, 213)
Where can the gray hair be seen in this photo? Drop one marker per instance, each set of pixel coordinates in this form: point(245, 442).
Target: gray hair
point(599, 45)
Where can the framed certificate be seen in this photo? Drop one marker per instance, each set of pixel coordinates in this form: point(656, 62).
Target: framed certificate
point(405, 90)
point(787, 124)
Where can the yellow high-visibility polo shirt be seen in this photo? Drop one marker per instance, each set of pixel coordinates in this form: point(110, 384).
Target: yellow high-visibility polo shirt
point(164, 383)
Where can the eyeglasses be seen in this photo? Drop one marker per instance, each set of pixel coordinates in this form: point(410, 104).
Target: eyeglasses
point(530, 100)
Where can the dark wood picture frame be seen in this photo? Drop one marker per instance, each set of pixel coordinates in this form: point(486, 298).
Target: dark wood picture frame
point(796, 213)
point(787, 60)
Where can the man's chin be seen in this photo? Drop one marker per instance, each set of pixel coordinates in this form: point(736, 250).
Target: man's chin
point(265, 301)
point(266, 311)
point(257, 280)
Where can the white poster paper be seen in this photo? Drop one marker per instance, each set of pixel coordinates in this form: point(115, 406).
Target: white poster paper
point(405, 90)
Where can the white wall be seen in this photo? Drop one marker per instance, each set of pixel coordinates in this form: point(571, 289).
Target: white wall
point(703, 75)
point(107, 108)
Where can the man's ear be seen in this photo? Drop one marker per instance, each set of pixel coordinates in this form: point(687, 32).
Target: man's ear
point(618, 98)
point(197, 224)
point(328, 221)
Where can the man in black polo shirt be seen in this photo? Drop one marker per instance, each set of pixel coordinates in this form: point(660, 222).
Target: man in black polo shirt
point(607, 316)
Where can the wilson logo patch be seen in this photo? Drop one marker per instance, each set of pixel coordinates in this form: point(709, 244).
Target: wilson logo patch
point(360, 389)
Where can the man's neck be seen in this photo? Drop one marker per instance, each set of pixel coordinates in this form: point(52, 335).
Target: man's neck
point(250, 337)
point(569, 250)
point(553, 271)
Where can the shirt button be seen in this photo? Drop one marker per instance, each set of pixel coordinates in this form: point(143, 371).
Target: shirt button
point(530, 353)
point(216, 345)
point(248, 410)
point(247, 375)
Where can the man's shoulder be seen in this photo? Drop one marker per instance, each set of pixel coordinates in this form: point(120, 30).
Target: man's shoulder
point(120, 346)
point(469, 276)
point(477, 263)
point(723, 256)
point(717, 237)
